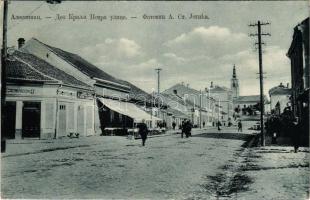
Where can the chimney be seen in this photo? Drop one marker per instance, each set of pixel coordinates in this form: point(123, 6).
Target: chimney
point(281, 84)
point(187, 85)
point(211, 84)
point(287, 85)
point(175, 91)
point(21, 42)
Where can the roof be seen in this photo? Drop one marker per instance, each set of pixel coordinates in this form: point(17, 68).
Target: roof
point(280, 90)
point(40, 70)
point(81, 64)
point(219, 89)
point(181, 90)
point(17, 70)
point(250, 98)
point(177, 113)
point(168, 97)
point(136, 92)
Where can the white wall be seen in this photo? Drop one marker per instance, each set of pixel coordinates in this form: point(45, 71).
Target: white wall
point(282, 99)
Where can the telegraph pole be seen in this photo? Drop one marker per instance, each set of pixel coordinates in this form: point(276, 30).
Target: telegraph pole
point(259, 35)
point(200, 105)
point(158, 79)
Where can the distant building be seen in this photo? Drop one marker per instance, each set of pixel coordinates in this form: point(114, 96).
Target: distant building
point(279, 98)
point(224, 102)
point(197, 102)
point(243, 102)
point(246, 101)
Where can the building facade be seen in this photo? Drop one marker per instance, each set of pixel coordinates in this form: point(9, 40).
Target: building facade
point(298, 53)
point(55, 93)
point(198, 103)
point(45, 102)
point(279, 98)
point(223, 103)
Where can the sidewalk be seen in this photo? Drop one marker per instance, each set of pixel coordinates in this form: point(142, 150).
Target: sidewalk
point(275, 172)
point(33, 146)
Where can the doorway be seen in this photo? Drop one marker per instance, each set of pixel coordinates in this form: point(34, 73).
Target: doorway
point(31, 119)
point(8, 126)
point(62, 128)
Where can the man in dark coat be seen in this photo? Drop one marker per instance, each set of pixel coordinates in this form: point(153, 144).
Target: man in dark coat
point(239, 126)
point(218, 124)
point(173, 125)
point(183, 127)
point(143, 131)
point(188, 128)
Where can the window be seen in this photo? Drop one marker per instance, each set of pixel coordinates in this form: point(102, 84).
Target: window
point(62, 107)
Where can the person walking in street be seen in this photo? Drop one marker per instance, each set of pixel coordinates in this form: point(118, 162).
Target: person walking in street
point(203, 124)
point(173, 125)
point(188, 128)
point(218, 125)
point(183, 128)
point(143, 131)
point(239, 126)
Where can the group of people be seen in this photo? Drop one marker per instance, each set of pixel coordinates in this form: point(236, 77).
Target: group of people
point(186, 128)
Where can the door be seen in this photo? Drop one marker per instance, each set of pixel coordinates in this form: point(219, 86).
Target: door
point(31, 119)
point(62, 128)
point(8, 126)
point(80, 120)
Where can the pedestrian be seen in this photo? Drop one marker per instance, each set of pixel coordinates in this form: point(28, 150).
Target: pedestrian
point(173, 125)
point(203, 124)
point(218, 125)
point(294, 131)
point(239, 126)
point(143, 131)
point(188, 128)
point(183, 127)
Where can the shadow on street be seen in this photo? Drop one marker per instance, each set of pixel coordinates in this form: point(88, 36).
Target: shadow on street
point(223, 135)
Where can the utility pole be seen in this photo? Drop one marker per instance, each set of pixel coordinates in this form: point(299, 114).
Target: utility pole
point(158, 79)
point(200, 105)
point(4, 52)
point(3, 71)
point(259, 35)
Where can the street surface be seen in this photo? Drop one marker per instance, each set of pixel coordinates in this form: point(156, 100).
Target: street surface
point(168, 167)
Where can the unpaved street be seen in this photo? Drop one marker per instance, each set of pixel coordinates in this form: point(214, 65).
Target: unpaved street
point(208, 165)
point(115, 167)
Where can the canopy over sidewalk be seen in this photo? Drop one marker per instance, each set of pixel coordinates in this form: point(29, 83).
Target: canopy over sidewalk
point(128, 109)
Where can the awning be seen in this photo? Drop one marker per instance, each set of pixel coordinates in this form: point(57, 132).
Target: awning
point(128, 109)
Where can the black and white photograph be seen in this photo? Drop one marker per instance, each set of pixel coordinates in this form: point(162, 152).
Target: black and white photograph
point(155, 100)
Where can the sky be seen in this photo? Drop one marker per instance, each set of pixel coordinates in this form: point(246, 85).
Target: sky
point(195, 52)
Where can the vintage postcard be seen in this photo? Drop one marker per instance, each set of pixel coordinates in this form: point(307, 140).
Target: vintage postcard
point(155, 99)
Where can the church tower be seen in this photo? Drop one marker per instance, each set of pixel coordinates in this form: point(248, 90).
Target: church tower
point(234, 84)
